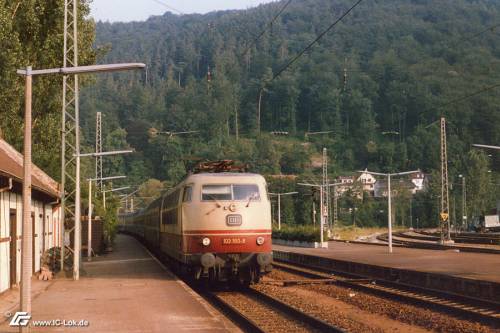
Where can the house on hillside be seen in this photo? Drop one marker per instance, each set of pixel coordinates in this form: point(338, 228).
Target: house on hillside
point(420, 181)
point(345, 182)
point(45, 215)
point(367, 182)
point(397, 185)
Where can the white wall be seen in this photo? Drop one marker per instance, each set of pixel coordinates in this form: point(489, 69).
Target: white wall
point(9, 200)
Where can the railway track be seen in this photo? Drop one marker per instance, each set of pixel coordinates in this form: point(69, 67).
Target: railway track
point(427, 242)
point(460, 306)
point(469, 238)
point(254, 311)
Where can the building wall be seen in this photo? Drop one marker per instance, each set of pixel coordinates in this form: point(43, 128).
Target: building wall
point(44, 231)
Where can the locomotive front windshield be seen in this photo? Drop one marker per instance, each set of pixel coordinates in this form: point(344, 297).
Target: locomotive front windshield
point(230, 192)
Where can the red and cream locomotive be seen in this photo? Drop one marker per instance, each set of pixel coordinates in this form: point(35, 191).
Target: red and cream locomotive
point(212, 225)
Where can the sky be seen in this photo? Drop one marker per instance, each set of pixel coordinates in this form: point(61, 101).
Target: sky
point(140, 10)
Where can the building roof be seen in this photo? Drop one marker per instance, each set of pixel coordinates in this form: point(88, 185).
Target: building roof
point(11, 165)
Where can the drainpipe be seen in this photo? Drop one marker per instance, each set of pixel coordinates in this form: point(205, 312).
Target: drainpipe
point(7, 188)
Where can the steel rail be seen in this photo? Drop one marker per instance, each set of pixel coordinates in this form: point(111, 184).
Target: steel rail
point(300, 315)
point(242, 321)
point(249, 325)
point(479, 310)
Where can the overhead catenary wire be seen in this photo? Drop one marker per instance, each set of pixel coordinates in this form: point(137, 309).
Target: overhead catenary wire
point(308, 47)
point(466, 39)
point(465, 97)
point(267, 27)
point(169, 7)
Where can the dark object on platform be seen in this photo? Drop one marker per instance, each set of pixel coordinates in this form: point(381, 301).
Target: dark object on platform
point(51, 260)
point(220, 166)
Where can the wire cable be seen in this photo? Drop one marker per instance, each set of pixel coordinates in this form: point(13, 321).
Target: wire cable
point(308, 47)
point(463, 98)
point(267, 27)
point(169, 7)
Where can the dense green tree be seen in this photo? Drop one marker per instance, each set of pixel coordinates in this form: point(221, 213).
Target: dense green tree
point(31, 35)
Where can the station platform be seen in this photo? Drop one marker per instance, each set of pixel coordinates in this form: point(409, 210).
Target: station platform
point(125, 291)
point(466, 273)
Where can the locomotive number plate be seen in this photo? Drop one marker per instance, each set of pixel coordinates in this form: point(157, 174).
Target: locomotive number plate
point(233, 241)
point(233, 220)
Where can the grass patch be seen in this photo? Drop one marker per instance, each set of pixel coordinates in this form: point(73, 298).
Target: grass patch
point(352, 233)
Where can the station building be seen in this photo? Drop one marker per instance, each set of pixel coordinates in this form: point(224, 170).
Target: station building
point(45, 215)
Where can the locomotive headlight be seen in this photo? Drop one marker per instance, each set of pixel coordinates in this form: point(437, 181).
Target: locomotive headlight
point(260, 240)
point(206, 241)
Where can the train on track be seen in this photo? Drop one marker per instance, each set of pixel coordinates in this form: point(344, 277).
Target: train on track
point(212, 226)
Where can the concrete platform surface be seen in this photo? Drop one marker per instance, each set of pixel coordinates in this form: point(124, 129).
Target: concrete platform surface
point(125, 291)
point(478, 266)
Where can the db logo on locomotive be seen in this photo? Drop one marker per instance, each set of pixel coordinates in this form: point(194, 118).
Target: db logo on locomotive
point(233, 220)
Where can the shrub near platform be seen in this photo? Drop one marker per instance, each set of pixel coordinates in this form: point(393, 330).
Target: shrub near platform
point(300, 233)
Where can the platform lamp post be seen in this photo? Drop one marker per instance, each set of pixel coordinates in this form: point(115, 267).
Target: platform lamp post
point(389, 204)
point(89, 225)
point(112, 190)
point(153, 132)
point(27, 259)
point(486, 146)
point(126, 196)
point(279, 195)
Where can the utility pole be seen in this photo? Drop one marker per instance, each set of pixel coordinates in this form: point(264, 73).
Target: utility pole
point(98, 149)
point(27, 259)
point(389, 198)
point(89, 224)
point(70, 140)
point(314, 212)
point(279, 195)
point(445, 204)
point(325, 193)
point(112, 190)
point(236, 125)
point(411, 212)
point(27, 236)
point(335, 207)
point(259, 110)
point(322, 195)
point(464, 203)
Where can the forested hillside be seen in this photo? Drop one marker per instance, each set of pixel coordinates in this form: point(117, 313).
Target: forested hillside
point(377, 81)
point(31, 34)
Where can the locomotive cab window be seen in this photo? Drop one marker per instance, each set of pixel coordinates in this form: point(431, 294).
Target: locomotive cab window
point(236, 192)
point(216, 192)
point(246, 192)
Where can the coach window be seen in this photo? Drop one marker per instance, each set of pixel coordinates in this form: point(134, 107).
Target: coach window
point(188, 192)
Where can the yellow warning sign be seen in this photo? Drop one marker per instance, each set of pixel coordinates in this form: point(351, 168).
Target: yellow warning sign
point(444, 216)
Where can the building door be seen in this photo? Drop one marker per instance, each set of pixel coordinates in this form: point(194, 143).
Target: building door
point(13, 247)
point(42, 232)
point(33, 238)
